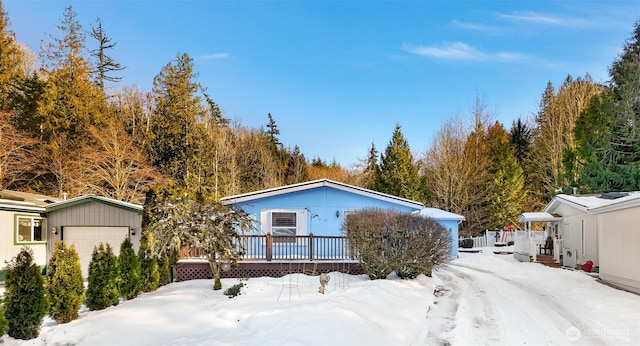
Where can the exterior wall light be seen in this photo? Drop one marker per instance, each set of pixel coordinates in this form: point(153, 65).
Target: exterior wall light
point(337, 213)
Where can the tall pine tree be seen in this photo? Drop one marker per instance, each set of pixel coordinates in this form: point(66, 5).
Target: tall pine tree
point(608, 132)
point(399, 174)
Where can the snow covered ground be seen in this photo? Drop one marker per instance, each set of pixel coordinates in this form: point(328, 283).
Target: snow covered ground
point(478, 299)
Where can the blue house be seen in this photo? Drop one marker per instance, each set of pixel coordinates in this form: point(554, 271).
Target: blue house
point(319, 207)
point(299, 227)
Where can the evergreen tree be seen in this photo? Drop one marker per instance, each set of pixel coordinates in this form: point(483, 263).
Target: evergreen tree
point(65, 287)
point(507, 187)
point(11, 69)
point(4, 324)
point(399, 175)
point(521, 138)
point(273, 133)
point(130, 271)
point(104, 64)
point(164, 269)
point(70, 101)
point(25, 300)
point(296, 166)
point(609, 131)
point(175, 137)
point(150, 275)
point(102, 290)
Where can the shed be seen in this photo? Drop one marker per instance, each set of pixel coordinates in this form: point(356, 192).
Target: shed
point(89, 220)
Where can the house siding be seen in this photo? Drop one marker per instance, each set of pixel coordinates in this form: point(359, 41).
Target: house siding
point(8, 246)
point(571, 231)
point(619, 239)
point(324, 201)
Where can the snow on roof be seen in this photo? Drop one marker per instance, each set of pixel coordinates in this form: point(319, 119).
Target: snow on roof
point(596, 204)
point(439, 214)
point(537, 217)
point(319, 183)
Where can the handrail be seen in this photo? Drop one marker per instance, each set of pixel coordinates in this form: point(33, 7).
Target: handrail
point(277, 247)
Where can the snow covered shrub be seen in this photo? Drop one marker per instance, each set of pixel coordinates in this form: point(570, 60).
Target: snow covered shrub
point(419, 244)
point(25, 300)
point(387, 241)
point(65, 288)
point(129, 271)
point(102, 291)
point(369, 238)
point(150, 276)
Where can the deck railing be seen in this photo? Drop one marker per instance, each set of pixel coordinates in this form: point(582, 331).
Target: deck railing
point(284, 248)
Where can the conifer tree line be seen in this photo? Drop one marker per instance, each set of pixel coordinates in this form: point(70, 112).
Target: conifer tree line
point(68, 124)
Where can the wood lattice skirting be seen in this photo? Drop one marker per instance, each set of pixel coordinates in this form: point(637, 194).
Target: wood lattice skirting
point(200, 270)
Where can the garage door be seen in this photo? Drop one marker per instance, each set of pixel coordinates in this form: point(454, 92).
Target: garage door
point(85, 238)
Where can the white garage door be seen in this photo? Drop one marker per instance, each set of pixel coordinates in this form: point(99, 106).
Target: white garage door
point(85, 238)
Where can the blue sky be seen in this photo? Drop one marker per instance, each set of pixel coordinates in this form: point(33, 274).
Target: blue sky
point(338, 75)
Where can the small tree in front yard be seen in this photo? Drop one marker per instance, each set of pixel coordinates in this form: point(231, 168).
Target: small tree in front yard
point(387, 241)
point(209, 226)
point(65, 287)
point(4, 324)
point(129, 271)
point(150, 276)
point(164, 268)
point(25, 300)
point(102, 291)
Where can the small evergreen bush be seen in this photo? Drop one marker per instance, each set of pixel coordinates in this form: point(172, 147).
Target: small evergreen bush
point(4, 324)
point(102, 291)
point(150, 277)
point(25, 300)
point(164, 269)
point(129, 271)
point(234, 290)
point(65, 288)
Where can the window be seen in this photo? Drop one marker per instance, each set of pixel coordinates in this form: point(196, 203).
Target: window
point(284, 223)
point(29, 229)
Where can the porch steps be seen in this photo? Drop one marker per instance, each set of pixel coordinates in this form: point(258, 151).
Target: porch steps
point(547, 260)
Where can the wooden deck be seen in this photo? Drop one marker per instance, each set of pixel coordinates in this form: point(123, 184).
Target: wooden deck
point(275, 256)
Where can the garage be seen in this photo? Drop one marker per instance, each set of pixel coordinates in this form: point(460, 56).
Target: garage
point(87, 221)
point(86, 238)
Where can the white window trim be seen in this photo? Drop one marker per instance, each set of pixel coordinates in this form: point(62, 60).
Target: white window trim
point(16, 229)
point(301, 220)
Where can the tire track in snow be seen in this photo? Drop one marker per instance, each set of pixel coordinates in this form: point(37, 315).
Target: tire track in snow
point(458, 294)
point(547, 305)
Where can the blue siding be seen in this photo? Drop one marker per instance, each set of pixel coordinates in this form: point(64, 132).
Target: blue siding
point(452, 226)
point(324, 201)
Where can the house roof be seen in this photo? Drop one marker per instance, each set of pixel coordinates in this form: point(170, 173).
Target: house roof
point(320, 183)
point(593, 204)
point(93, 198)
point(24, 201)
point(439, 214)
point(538, 217)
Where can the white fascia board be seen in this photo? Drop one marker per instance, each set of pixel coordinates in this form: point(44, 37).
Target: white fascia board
point(19, 208)
point(319, 183)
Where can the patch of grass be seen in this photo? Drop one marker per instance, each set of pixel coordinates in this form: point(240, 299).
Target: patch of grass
point(233, 290)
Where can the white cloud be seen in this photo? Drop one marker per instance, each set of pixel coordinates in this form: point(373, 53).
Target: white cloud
point(534, 17)
point(450, 51)
point(462, 51)
point(214, 56)
point(474, 27)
